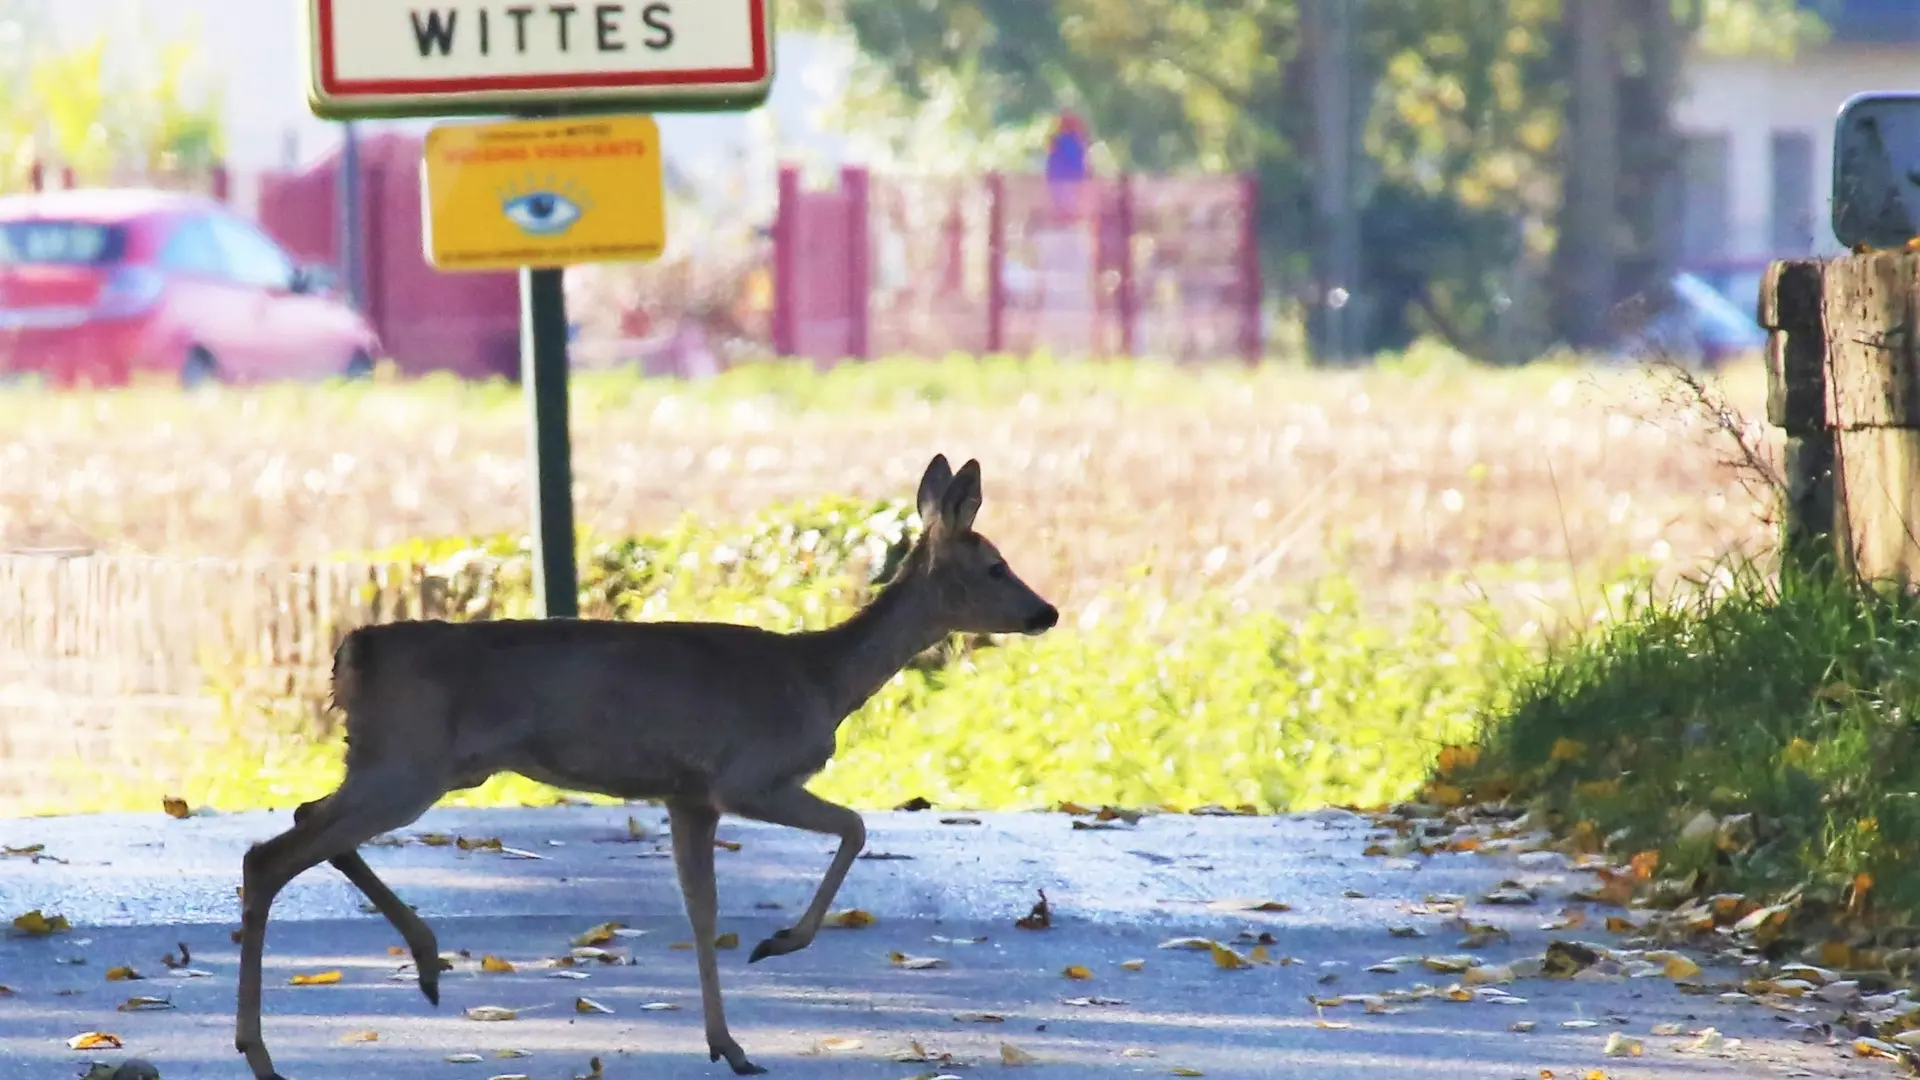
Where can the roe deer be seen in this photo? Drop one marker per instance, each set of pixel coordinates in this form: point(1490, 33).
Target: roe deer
point(711, 718)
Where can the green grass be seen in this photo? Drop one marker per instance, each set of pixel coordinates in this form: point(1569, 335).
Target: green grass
point(1791, 702)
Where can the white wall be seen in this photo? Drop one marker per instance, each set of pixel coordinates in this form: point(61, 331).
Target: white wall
point(1750, 99)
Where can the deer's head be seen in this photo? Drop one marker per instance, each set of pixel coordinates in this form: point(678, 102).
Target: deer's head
point(976, 589)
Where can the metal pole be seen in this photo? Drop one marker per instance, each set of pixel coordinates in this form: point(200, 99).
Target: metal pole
point(348, 217)
point(543, 374)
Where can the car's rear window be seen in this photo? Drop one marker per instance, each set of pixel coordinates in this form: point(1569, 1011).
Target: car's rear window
point(70, 243)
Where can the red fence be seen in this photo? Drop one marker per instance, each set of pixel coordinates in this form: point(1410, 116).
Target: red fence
point(468, 323)
point(1137, 265)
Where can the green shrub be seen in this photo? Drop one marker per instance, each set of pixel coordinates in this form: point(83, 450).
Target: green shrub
point(1793, 703)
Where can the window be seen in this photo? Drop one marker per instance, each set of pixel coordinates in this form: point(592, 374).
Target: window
point(193, 249)
point(1703, 198)
point(1792, 193)
point(72, 243)
point(251, 258)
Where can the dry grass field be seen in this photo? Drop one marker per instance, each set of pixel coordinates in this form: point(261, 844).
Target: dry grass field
point(232, 529)
point(1405, 476)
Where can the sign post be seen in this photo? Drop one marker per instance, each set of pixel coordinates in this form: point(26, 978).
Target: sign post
point(582, 183)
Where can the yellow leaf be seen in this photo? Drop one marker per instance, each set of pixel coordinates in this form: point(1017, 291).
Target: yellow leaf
point(1565, 749)
point(361, 1037)
point(850, 919)
point(121, 974)
point(1454, 758)
point(681, 946)
point(175, 807)
point(36, 924)
point(1133, 965)
point(434, 839)
point(1183, 1070)
point(727, 845)
point(1680, 967)
point(1076, 971)
point(510, 1052)
point(495, 965)
point(840, 1042)
point(488, 1013)
point(1259, 955)
point(1196, 943)
point(143, 1004)
point(322, 978)
point(1644, 864)
point(1013, 1055)
point(1445, 795)
point(588, 1005)
point(491, 843)
point(1618, 925)
point(728, 940)
point(1225, 957)
point(1836, 954)
point(1458, 993)
point(95, 1040)
point(598, 935)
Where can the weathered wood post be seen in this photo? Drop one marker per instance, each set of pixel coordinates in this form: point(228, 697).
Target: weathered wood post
point(1843, 383)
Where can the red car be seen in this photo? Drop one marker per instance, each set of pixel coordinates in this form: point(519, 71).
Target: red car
point(100, 285)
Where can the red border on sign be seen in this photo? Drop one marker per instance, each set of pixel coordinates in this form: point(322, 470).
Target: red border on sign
point(336, 87)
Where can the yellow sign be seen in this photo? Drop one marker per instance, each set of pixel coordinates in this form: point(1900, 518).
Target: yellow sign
point(543, 193)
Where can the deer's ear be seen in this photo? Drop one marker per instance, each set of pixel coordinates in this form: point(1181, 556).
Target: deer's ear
point(933, 484)
point(962, 499)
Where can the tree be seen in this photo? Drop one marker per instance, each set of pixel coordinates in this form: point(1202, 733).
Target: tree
point(1461, 106)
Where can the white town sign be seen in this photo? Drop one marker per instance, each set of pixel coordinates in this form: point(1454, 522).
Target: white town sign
point(403, 58)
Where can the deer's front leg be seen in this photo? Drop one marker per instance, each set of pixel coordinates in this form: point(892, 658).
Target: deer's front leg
point(693, 827)
point(799, 808)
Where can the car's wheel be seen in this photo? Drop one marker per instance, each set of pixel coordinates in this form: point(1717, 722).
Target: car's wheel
point(359, 365)
point(199, 369)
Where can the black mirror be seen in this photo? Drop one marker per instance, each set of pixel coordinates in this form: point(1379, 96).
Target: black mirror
point(1876, 170)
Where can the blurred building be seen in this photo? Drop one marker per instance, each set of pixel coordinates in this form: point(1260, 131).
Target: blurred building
point(1757, 169)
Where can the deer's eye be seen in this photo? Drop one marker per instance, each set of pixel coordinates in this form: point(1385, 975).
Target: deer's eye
point(997, 571)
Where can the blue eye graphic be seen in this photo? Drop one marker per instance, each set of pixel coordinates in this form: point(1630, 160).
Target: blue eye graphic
point(542, 211)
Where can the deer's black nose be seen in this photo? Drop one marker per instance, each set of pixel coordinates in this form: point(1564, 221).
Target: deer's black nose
point(1044, 619)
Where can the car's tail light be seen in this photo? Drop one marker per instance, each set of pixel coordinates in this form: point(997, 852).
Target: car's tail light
point(128, 290)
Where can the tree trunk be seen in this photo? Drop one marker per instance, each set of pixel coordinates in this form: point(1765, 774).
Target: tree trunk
point(1584, 258)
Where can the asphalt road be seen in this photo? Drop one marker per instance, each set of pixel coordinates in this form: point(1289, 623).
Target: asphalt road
point(134, 887)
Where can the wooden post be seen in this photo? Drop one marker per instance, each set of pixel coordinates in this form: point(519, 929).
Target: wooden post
point(1844, 383)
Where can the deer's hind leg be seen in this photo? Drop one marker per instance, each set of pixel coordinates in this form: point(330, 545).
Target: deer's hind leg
point(413, 930)
point(366, 804)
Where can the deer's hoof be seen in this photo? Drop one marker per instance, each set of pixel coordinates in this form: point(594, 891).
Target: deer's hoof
point(780, 944)
point(736, 1057)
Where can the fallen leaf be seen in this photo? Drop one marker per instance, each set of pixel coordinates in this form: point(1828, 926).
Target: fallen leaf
point(728, 940)
point(462, 1059)
point(144, 1004)
point(1133, 965)
point(1447, 965)
point(1198, 944)
point(1621, 1045)
point(850, 919)
point(1235, 904)
point(37, 924)
point(1076, 971)
point(1677, 966)
point(1183, 1070)
point(1138, 1052)
point(491, 843)
point(588, 1005)
point(1666, 1028)
point(491, 1013)
point(175, 807)
point(840, 1042)
point(1040, 917)
point(320, 978)
point(122, 974)
point(978, 1018)
point(727, 845)
point(95, 1040)
point(494, 965)
point(914, 963)
point(1226, 958)
point(1013, 1055)
point(598, 935)
point(659, 1006)
point(510, 1052)
point(361, 1037)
